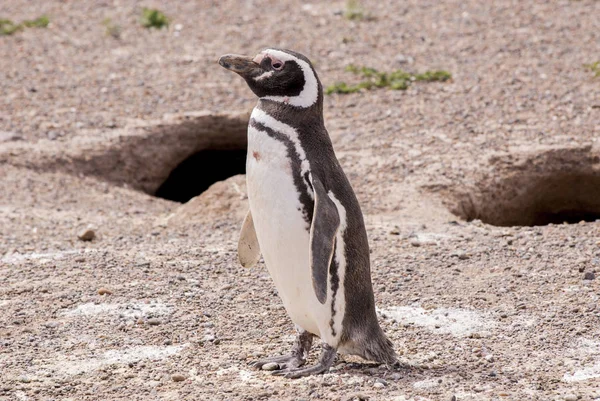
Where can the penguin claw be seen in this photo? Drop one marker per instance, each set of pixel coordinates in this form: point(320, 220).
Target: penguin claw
point(284, 362)
point(296, 373)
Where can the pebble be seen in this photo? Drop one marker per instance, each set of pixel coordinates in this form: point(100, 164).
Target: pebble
point(86, 234)
point(402, 59)
point(104, 291)
point(270, 366)
point(415, 242)
point(52, 135)
point(178, 377)
point(570, 397)
point(462, 255)
point(378, 385)
point(51, 325)
point(7, 136)
point(154, 321)
point(380, 380)
point(589, 276)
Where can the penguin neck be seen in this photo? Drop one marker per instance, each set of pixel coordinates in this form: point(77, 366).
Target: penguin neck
point(293, 115)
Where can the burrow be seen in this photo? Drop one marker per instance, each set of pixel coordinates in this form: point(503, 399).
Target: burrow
point(176, 158)
point(550, 185)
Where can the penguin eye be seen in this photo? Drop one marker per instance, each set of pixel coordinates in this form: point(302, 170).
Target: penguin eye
point(277, 65)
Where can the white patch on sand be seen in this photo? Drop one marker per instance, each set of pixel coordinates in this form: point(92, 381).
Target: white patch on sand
point(118, 356)
point(14, 258)
point(245, 376)
point(127, 310)
point(584, 348)
point(593, 372)
point(425, 384)
point(458, 322)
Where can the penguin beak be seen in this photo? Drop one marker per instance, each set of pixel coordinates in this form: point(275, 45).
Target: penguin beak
point(241, 65)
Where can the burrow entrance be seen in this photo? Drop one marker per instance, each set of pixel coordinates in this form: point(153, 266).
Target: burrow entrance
point(177, 157)
point(537, 188)
point(199, 171)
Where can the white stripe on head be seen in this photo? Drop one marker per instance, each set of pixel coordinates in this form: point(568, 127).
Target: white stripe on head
point(264, 75)
point(310, 92)
point(290, 132)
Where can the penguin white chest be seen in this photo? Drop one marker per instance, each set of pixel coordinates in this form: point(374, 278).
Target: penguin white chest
point(282, 231)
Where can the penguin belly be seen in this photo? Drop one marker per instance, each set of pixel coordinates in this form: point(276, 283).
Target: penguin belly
point(282, 232)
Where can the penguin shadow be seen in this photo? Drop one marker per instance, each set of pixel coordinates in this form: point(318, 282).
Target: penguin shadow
point(399, 372)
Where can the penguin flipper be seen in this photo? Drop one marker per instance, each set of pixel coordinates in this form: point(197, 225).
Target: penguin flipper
point(323, 230)
point(248, 248)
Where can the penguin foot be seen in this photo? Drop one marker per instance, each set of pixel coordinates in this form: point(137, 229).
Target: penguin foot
point(293, 360)
point(325, 362)
point(289, 361)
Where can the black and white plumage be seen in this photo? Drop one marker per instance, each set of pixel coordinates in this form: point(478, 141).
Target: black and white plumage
point(304, 216)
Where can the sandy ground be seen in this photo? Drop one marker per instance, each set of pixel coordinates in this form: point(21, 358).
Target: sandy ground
point(476, 311)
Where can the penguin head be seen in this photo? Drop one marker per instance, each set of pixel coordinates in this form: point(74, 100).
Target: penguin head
point(278, 75)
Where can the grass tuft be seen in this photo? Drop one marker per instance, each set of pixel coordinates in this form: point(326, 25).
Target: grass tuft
point(594, 67)
point(153, 18)
point(396, 80)
point(7, 27)
point(112, 29)
point(41, 22)
point(355, 12)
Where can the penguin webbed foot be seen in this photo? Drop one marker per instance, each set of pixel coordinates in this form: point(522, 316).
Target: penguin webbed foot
point(325, 362)
point(289, 361)
point(293, 360)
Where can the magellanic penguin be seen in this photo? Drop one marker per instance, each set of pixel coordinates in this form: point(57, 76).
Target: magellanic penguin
point(304, 217)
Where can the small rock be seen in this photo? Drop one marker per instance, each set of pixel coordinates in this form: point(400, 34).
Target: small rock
point(589, 276)
point(415, 242)
point(270, 366)
point(154, 321)
point(489, 358)
point(86, 234)
point(380, 380)
point(7, 136)
point(178, 377)
point(521, 306)
point(52, 135)
point(24, 379)
point(395, 231)
point(378, 385)
point(104, 291)
point(51, 325)
point(402, 59)
point(570, 397)
point(209, 338)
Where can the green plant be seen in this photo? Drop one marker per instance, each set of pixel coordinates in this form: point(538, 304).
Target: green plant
point(396, 80)
point(112, 29)
point(153, 18)
point(353, 10)
point(7, 27)
point(594, 67)
point(41, 22)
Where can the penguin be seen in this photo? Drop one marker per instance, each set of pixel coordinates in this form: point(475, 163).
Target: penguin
point(304, 217)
